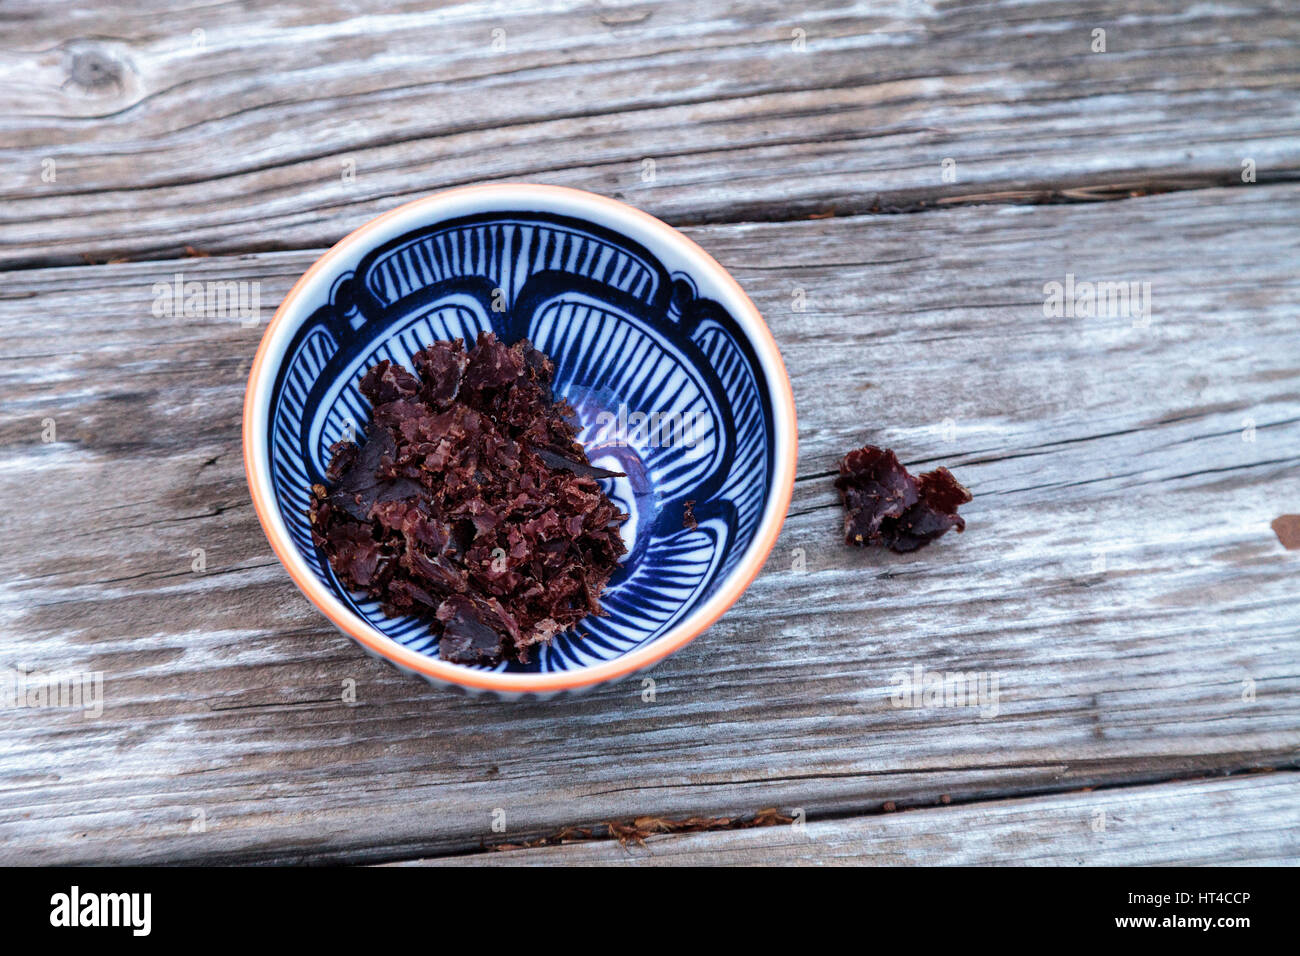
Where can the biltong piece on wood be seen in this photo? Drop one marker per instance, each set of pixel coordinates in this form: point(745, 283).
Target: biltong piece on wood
point(885, 505)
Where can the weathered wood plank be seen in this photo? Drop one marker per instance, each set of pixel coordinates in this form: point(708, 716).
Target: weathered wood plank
point(236, 138)
point(1119, 574)
point(1243, 821)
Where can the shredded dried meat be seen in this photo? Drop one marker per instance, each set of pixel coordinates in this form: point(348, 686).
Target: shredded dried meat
point(884, 504)
point(469, 503)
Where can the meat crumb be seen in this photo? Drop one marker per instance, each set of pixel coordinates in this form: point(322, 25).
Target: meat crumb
point(885, 505)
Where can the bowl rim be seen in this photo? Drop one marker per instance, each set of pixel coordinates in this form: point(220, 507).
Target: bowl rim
point(261, 378)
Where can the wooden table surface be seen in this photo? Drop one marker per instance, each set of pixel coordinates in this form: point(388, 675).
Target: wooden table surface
point(896, 185)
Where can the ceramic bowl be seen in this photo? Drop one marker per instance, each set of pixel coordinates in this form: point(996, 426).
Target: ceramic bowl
point(673, 374)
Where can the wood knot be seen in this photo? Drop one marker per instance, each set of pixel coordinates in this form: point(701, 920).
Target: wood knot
point(95, 71)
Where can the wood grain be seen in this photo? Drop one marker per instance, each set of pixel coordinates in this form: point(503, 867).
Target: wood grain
point(1119, 574)
point(236, 137)
point(1242, 821)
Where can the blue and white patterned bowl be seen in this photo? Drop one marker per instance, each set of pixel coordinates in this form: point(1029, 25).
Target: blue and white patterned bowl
point(674, 376)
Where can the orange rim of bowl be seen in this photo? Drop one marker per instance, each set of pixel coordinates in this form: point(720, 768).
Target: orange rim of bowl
point(634, 660)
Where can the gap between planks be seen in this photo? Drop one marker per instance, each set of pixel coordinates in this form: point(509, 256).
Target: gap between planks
point(1243, 818)
point(1083, 192)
